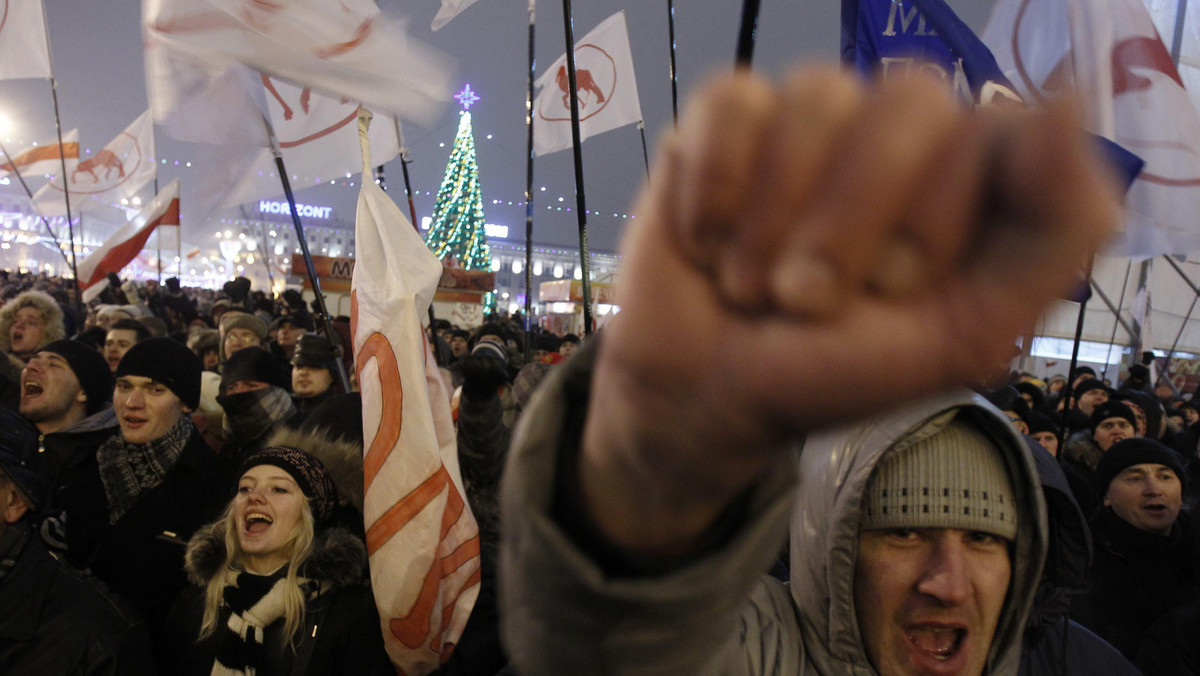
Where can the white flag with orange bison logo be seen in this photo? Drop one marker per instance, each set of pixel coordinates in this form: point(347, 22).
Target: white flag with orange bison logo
point(24, 50)
point(44, 158)
point(422, 538)
point(115, 172)
point(346, 49)
point(1109, 55)
point(608, 96)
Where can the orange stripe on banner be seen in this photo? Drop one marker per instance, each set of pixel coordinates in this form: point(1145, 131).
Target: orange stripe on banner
point(391, 416)
point(413, 629)
point(405, 510)
point(448, 609)
point(465, 552)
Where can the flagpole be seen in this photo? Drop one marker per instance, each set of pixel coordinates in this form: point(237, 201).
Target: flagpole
point(266, 252)
point(1177, 41)
point(576, 140)
point(33, 207)
point(1112, 339)
point(63, 162)
point(1069, 389)
point(645, 152)
point(674, 79)
point(308, 261)
point(748, 33)
point(157, 234)
point(412, 214)
point(529, 191)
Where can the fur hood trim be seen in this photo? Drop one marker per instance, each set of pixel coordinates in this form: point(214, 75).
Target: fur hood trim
point(337, 557)
point(1081, 448)
point(343, 460)
point(40, 301)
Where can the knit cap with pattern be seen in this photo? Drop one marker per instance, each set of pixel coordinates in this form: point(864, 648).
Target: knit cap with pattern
point(952, 479)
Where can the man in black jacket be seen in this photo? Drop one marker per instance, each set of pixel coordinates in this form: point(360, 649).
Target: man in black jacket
point(55, 620)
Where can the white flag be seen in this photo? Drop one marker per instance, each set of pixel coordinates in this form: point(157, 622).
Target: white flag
point(344, 49)
point(24, 50)
point(318, 136)
point(1109, 52)
point(449, 10)
point(129, 240)
point(116, 172)
point(422, 538)
point(608, 96)
point(44, 158)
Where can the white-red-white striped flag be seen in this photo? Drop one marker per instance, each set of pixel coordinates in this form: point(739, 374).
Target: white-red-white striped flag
point(422, 538)
point(116, 172)
point(608, 95)
point(24, 49)
point(44, 158)
point(125, 244)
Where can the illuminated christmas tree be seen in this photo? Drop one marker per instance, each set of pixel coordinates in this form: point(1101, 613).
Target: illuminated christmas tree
point(457, 231)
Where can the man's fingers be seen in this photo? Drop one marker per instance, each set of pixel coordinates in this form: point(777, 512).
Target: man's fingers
point(814, 107)
point(713, 165)
point(874, 174)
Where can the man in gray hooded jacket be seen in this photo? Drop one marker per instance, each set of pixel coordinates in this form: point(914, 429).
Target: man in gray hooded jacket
point(854, 233)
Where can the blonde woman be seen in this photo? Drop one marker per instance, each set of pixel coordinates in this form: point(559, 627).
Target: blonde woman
point(279, 590)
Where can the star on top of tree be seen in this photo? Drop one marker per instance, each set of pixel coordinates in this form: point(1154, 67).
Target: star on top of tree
point(466, 97)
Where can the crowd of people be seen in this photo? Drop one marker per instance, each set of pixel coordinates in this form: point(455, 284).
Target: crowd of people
point(181, 473)
point(181, 470)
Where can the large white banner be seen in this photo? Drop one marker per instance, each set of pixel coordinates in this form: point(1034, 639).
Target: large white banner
point(116, 172)
point(422, 538)
point(24, 50)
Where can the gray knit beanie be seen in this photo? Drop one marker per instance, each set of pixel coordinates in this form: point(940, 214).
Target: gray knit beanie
point(952, 479)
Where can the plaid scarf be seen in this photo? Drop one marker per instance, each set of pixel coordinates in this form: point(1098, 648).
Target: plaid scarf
point(128, 469)
point(255, 603)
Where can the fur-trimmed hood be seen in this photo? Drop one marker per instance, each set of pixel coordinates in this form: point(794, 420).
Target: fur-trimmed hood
point(337, 557)
point(343, 460)
point(44, 303)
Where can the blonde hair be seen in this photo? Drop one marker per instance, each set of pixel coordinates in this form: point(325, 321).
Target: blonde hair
point(299, 544)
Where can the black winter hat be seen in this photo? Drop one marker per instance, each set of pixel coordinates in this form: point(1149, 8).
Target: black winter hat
point(90, 369)
point(1040, 422)
point(314, 351)
point(19, 455)
point(1136, 451)
point(1089, 385)
point(253, 364)
point(167, 362)
point(310, 475)
point(1112, 409)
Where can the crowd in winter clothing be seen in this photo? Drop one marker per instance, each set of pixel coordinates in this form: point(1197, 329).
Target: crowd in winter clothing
point(139, 433)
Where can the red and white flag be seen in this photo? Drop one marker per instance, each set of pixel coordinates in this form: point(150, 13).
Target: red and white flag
point(422, 538)
point(346, 49)
point(24, 49)
point(46, 158)
point(128, 241)
point(1109, 52)
point(116, 172)
point(608, 95)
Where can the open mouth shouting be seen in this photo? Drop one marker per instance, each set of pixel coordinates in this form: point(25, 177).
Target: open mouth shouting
point(937, 649)
point(256, 523)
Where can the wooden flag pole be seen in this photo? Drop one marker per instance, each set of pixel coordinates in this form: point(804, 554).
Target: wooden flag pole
point(529, 192)
point(576, 140)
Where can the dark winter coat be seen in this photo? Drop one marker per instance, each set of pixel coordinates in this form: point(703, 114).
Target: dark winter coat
point(1137, 576)
point(1054, 645)
point(341, 633)
point(1080, 456)
point(68, 455)
point(1170, 647)
point(55, 621)
point(141, 555)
